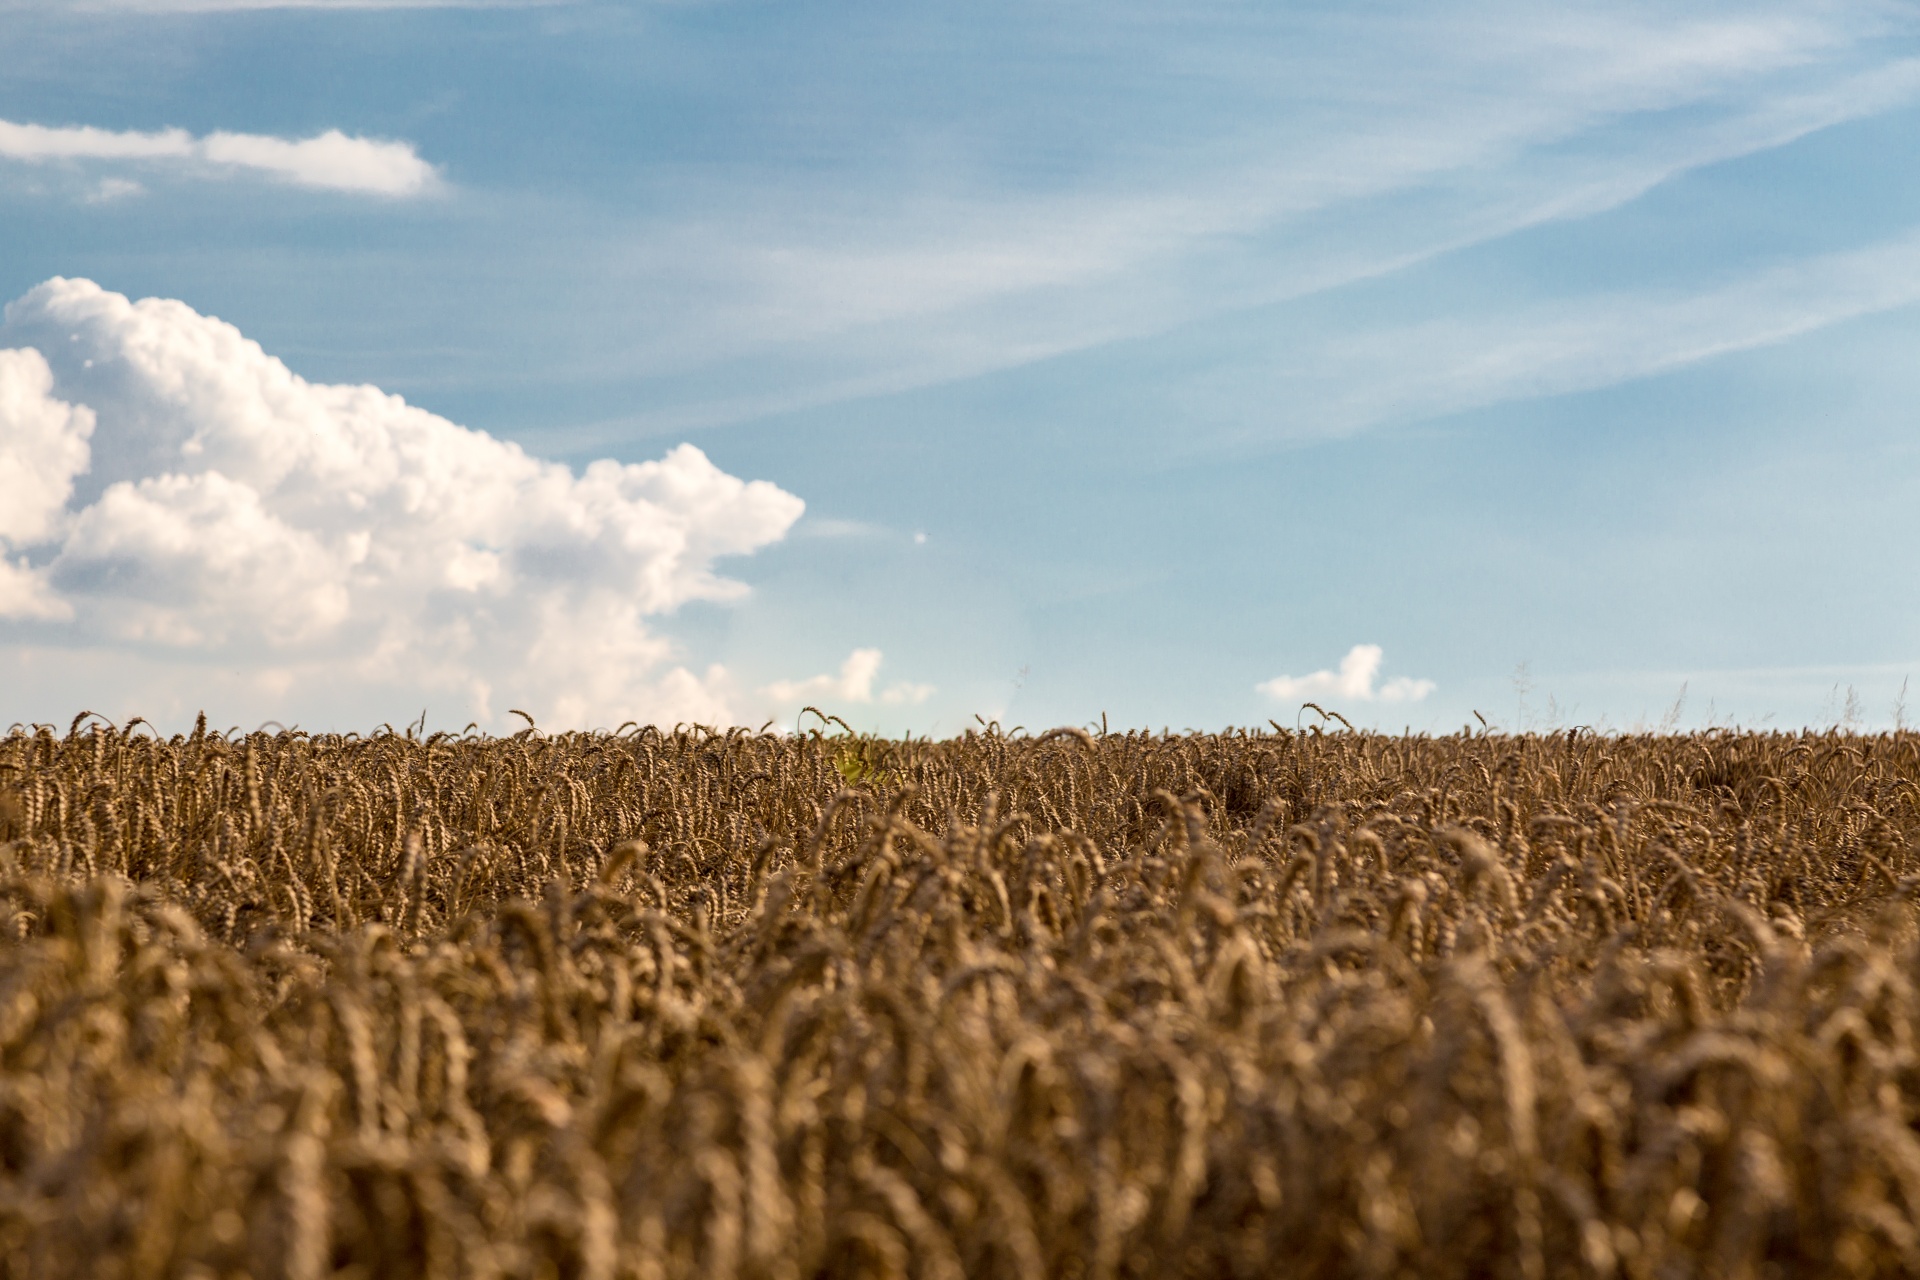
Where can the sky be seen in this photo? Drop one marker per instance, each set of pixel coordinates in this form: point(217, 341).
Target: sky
point(1180, 364)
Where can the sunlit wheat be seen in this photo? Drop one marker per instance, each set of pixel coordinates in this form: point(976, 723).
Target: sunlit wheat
point(1080, 1005)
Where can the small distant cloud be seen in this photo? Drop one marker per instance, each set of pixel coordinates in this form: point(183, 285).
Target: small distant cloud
point(854, 683)
point(1353, 681)
point(903, 694)
point(108, 190)
point(331, 161)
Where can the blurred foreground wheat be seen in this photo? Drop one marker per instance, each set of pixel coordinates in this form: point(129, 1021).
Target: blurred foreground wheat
point(729, 1005)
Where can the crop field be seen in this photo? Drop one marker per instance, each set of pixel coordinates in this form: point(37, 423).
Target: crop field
point(1057, 1005)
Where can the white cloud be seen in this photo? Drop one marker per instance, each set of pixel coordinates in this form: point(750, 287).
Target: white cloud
point(1354, 681)
point(331, 161)
point(854, 683)
point(172, 491)
point(44, 447)
point(25, 594)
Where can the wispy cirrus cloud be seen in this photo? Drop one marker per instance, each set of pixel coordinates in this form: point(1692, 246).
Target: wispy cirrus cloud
point(1336, 149)
point(1348, 382)
point(332, 161)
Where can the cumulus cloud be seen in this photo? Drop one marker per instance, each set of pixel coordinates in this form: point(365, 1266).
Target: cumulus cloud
point(1353, 681)
point(170, 489)
point(332, 160)
point(45, 448)
point(854, 683)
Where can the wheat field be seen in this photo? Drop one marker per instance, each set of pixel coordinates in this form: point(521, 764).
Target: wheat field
point(713, 1004)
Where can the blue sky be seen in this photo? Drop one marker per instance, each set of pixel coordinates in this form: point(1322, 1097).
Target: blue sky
point(1127, 358)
